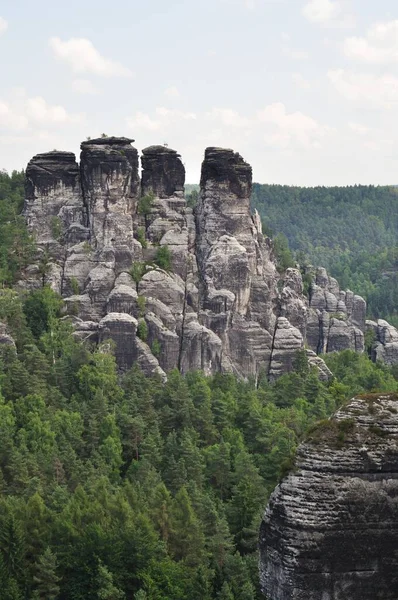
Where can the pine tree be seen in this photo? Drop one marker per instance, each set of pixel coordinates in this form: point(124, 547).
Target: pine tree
point(225, 593)
point(186, 539)
point(12, 550)
point(46, 578)
point(106, 588)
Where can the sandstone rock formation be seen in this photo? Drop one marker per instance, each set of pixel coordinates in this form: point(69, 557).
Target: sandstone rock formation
point(330, 531)
point(5, 338)
point(336, 319)
point(385, 341)
point(220, 304)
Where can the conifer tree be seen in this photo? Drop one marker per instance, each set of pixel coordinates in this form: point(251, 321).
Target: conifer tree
point(46, 578)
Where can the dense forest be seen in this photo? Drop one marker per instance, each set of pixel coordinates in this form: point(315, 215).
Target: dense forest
point(122, 487)
point(351, 231)
point(125, 487)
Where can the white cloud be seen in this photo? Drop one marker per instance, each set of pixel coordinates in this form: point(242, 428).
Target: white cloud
point(171, 114)
point(81, 55)
point(272, 134)
point(227, 117)
point(21, 112)
point(172, 92)
point(164, 118)
point(321, 11)
point(294, 128)
point(379, 46)
point(38, 109)
point(3, 25)
point(11, 120)
point(273, 124)
point(328, 13)
point(364, 89)
point(84, 86)
point(143, 121)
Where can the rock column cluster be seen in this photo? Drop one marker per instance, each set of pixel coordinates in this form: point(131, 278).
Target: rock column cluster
point(220, 303)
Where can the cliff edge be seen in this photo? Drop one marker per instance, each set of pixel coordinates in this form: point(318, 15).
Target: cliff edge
point(330, 531)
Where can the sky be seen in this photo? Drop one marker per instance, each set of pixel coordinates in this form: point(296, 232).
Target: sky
point(305, 90)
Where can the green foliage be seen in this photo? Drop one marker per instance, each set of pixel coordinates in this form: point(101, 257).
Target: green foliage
point(145, 204)
point(40, 308)
point(283, 255)
point(16, 245)
point(137, 271)
point(46, 579)
point(141, 302)
point(141, 237)
point(120, 487)
point(351, 231)
point(75, 286)
point(163, 258)
point(192, 197)
point(156, 348)
point(142, 330)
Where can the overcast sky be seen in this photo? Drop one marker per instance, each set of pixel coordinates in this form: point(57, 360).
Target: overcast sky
point(305, 90)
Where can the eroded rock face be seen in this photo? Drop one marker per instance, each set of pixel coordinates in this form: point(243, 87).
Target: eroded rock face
point(385, 341)
point(55, 213)
point(110, 182)
point(330, 531)
point(237, 278)
point(215, 302)
point(163, 173)
point(336, 319)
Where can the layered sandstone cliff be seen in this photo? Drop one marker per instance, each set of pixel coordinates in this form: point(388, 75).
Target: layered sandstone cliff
point(330, 531)
point(222, 304)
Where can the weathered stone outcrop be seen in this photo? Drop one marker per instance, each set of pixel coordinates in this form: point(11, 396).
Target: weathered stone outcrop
point(336, 319)
point(237, 277)
point(385, 341)
point(330, 531)
point(55, 213)
point(110, 182)
point(5, 337)
point(163, 173)
point(203, 284)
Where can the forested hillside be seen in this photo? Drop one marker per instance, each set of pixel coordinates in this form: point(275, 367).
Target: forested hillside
point(15, 243)
point(351, 231)
point(123, 487)
point(128, 488)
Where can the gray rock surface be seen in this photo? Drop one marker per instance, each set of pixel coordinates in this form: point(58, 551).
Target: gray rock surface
point(220, 304)
point(163, 173)
point(330, 530)
point(385, 346)
point(336, 319)
point(5, 338)
point(237, 278)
